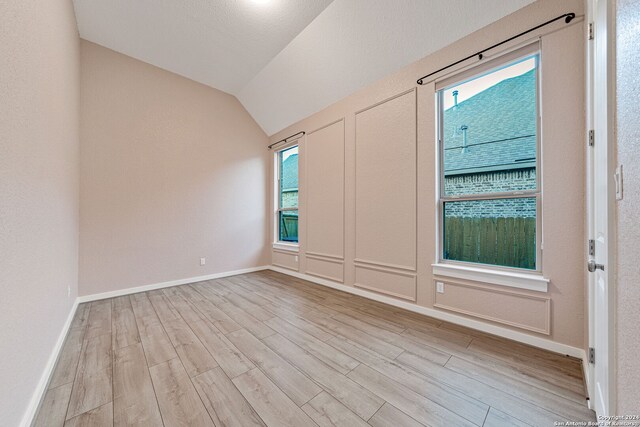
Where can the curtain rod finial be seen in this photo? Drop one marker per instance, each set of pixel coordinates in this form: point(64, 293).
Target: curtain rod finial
point(568, 17)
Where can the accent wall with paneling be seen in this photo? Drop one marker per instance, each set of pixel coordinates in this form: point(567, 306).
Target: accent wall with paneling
point(368, 201)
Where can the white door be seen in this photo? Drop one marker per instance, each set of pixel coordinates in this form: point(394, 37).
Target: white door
point(601, 205)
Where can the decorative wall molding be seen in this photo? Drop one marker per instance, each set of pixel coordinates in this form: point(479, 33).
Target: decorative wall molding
point(288, 254)
point(325, 257)
point(384, 270)
point(376, 258)
point(284, 266)
point(341, 119)
point(545, 300)
point(324, 228)
point(405, 283)
point(385, 292)
point(323, 276)
point(332, 260)
point(391, 98)
point(375, 265)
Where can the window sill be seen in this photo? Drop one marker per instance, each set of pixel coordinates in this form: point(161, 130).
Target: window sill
point(530, 281)
point(289, 247)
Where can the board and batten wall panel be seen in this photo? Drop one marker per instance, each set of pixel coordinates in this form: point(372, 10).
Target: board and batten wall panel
point(385, 223)
point(381, 234)
point(394, 283)
point(325, 268)
point(285, 259)
point(324, 167)
point(523, 310)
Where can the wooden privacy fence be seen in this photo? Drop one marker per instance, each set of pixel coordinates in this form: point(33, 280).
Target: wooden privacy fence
point(289, 228)
point(508, 242)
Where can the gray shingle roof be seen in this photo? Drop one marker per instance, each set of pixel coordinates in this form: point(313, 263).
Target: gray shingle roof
point(289, 178)
point(501, 128)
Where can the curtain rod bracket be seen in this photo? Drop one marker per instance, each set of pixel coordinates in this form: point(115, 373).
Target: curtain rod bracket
point(568, 17)
point(301, 133)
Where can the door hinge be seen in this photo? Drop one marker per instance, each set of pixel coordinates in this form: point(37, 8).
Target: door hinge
point(592, 138)
point(592, 355)
point(592, 247)
point(590, 30)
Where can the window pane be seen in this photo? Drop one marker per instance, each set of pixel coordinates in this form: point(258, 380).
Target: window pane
point(489, 132)
point(288, 225)
point(499, 232)
point(289, 178)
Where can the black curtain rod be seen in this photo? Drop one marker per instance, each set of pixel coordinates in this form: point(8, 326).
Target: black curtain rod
point(568, 17)
point(287, 138)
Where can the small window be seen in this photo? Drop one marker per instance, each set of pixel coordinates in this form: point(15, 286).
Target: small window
point(489, 183)
point(287, 215)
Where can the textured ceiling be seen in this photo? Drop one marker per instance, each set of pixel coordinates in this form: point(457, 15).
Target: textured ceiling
point(284, 59)
point(221, 43)
point(354, 43)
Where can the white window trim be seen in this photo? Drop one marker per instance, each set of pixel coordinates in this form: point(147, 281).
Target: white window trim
point(529, 281)
point(280, 244)
point(288, 247)
point(488, 273)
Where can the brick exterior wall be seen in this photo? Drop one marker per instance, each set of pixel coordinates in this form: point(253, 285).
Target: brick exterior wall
point(489, 182)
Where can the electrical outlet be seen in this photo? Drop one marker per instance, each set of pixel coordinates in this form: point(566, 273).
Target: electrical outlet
point(440, 287)
point(69, 291)
point(296, 258)
point(203, 261)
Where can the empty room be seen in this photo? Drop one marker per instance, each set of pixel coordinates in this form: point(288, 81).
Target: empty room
point(296, 213)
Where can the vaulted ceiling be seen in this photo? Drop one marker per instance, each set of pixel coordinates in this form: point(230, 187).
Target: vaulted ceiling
point(221, 43)
point(284, 59)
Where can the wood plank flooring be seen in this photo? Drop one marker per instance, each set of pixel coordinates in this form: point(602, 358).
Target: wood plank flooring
point(268, 349)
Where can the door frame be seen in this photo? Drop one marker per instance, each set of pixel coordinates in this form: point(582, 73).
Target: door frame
point(595, 121)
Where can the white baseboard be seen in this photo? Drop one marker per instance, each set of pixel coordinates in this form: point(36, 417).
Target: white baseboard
point(38, 395)
point(43, 384)
point(135, 290)
point(539, 342)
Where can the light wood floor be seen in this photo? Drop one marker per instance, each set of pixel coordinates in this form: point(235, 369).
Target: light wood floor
point(268, 349)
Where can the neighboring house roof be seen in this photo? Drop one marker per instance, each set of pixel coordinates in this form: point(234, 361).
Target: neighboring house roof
point(501, 128)
point(289, 177)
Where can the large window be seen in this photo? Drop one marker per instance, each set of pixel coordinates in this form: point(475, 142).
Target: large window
point(288, 194)
point(489, 175)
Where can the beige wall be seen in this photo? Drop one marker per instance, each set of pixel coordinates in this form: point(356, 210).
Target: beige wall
point(171, 171)
point(389, 186)
point(627, 327)
point(324, 202)
point(39, 82)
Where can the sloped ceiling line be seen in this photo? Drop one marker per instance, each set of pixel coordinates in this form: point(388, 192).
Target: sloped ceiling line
point(284, 59)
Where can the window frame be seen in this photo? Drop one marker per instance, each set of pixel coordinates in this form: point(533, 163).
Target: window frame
point(284, 244)
point(502, 61)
